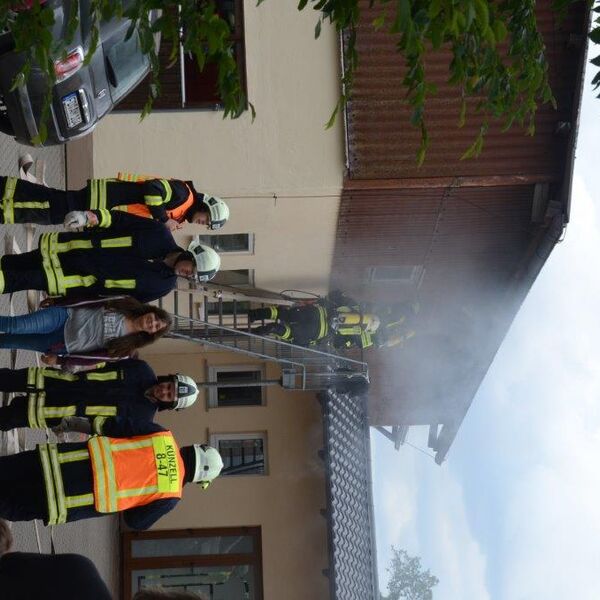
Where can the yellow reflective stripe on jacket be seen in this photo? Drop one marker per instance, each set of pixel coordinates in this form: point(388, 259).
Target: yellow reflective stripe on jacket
point(154, 200)
point(73, 245)
point(58, 412)
point(350, 330)
point(104, 474)
point(98, 193)
point(365, 339)
point(34, 400)
point(273, 313)
point(125, 284)
point(8, 199)
point(78, 281)
point(55, 495)
point(130, 493)
point(102, 411)
point(121, 242)
point(58, 502)
point(105, 219)
point(49, 484)
point(135, 445)
point(73, 456)
point(98, 423)
point(108, 376)
point(78, 501)
point(55, 374)
point(323, 324)
point(2, 280)
point(287, 334)
point(31, 204)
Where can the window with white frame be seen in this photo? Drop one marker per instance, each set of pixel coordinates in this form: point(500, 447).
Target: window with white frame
point(242, 453)
point(238, 243)
point(238, 386)
point(409, 274)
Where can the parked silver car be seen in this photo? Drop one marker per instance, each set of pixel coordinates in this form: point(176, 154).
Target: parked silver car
point(82, 94)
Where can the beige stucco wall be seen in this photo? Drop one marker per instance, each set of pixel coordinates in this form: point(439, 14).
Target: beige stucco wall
point(285, 503)
point(282, 174)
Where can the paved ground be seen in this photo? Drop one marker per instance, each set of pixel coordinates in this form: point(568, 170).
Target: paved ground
point(96, 538)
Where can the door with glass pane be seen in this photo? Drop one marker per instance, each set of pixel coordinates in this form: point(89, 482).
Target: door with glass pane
point(222, 564)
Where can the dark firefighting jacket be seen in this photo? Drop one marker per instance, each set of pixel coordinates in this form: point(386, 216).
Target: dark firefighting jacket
point(164, 198)
point(116, 390)
point(67, 471)
point(122, 255)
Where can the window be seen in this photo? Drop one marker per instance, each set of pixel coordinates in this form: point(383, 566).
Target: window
point(242, 453)
point(411, 274)
point(235, 278)
point(222, 564)
point(242, 243)
point(183, 86)
point(242, 392)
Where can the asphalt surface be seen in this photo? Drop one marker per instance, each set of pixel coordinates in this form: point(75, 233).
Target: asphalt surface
point(97, 539)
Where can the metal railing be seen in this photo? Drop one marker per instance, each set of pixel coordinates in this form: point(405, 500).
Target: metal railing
point(302, 368)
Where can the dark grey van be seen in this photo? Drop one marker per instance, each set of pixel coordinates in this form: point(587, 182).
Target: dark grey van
point(82, 94)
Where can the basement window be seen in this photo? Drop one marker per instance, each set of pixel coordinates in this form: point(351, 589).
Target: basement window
point(242, 453)
point(243, 393)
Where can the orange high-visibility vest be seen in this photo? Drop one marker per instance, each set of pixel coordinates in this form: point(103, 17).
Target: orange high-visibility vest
point(135, 471)
point(142, 210)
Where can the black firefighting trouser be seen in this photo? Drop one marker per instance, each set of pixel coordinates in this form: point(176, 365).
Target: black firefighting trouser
point(22, 490)
point(297, 324)
point(34, 203)
point(15, 414)
point(22, 272)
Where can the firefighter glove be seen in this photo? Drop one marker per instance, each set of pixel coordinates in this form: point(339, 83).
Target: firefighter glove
point(76, 219)
point(79, 424)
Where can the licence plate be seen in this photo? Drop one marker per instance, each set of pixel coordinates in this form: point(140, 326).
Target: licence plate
point(72, 110)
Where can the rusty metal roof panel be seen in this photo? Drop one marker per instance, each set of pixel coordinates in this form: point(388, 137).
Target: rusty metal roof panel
point(382, 144)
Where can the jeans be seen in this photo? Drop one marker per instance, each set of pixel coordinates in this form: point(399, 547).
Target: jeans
point(41, 331)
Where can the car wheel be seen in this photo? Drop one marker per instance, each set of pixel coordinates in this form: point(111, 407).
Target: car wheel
point(5, 124)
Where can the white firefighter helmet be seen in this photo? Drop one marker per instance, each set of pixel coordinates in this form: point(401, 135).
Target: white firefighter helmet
point(217, 209)
point(208, 464)
point(186, 391)
point(207, 260)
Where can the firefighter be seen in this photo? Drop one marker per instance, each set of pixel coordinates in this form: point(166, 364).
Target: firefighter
point(121, 254)
point(128, 389)
point(169, 201)
point(135, 467)
point(308, 324)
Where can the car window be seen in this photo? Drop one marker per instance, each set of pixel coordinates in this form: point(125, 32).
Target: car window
point(126, 65)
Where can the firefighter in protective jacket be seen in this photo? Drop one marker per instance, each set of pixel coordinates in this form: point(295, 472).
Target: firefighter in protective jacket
point(135, 467)
point(128, 389)
point(119, 254)
point(346, 325)
point(169, 201)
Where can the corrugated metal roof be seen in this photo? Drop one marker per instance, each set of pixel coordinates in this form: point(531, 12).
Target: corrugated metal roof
point(353, 565)
point(382, 144)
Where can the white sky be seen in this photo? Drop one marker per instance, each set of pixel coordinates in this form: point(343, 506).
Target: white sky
point(514, 513)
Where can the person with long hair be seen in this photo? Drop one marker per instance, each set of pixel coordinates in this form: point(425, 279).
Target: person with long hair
point(99, 331)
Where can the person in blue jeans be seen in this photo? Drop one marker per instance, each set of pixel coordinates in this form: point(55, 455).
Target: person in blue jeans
point(78, 336)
